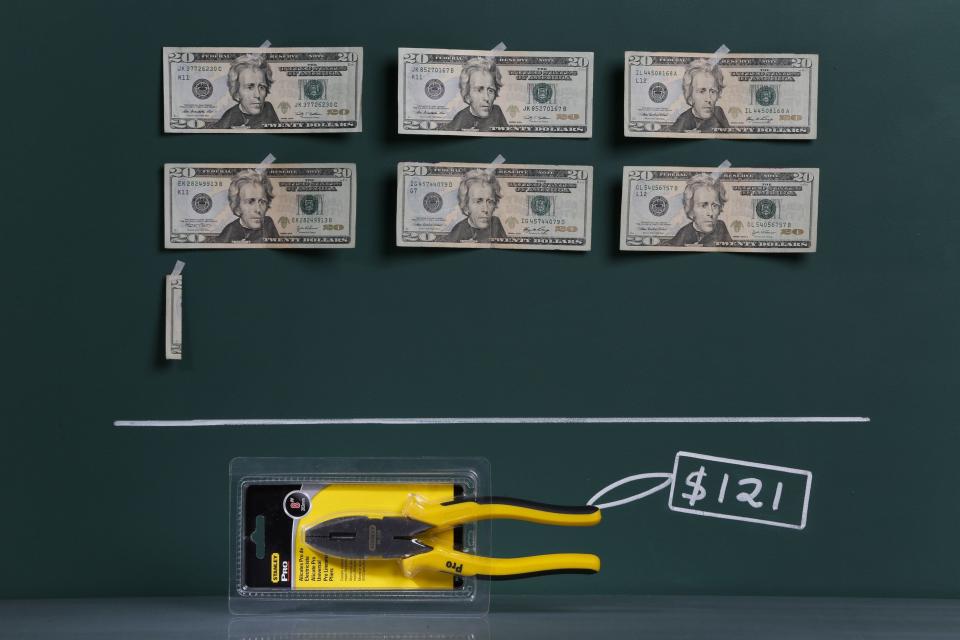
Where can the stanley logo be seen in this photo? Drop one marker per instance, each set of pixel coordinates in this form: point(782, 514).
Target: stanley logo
point(275, 568)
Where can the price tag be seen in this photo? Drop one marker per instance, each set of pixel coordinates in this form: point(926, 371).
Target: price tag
point(740, 490)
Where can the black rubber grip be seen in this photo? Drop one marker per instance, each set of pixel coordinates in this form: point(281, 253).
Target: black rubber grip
point(514, 502)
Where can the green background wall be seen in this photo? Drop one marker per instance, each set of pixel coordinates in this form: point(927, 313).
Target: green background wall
point(867, 326)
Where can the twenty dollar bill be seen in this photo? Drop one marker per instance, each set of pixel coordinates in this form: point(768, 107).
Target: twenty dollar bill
point(740, 95)
point(262, 90)
point(495, 93)
point(303, 206)
point(709, 209)
point(509, 206)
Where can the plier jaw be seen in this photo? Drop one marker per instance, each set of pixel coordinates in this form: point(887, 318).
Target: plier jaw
point(368, 537)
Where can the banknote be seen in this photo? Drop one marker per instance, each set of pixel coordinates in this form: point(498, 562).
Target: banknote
point(262, 90)
point(173, 334)
point(711, 209)
point(302, 206)
point(505, 206)
point(737, 95)
point(495, 93)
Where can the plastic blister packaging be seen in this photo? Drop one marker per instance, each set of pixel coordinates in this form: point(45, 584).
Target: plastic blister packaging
point(278, 563)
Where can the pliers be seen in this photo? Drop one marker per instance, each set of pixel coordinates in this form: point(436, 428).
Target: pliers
point(408, 537)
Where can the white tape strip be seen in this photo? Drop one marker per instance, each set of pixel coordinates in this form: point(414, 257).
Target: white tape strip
point(178, 268)
point(498, 160)
point(723, 166)
point(266, 162)
point(499, 47)
point(718, 54)
point(266, 44)
point(676, 200)
point(248, 422)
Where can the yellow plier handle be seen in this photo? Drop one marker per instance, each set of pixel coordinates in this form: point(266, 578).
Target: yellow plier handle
point(441, 558)
point(443, 515)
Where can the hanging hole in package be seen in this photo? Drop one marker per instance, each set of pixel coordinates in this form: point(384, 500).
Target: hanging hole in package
point(339, 535)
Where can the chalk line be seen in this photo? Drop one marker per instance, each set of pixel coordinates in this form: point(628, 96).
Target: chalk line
point(640, 476)
point(258, 422)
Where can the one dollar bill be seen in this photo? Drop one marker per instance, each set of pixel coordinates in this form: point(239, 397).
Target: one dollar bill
point(495, 93)
point(236, 206)
point(506, 206)
point(711, 209)
point(739, 95)
point(262, 90)
point(173, 334)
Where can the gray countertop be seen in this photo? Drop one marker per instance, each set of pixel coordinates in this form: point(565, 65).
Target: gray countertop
point(594, 617)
